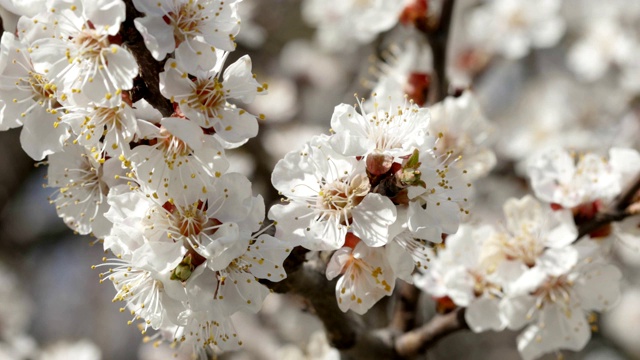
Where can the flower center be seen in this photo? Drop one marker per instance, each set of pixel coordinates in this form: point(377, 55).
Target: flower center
point(525, 247)
point(42, 88)
point(554, 290)
point(172, 146)
point(208, 97)
point(89, 44)
point(185, 21)
point(343, 195)
point(191, 222)
point(102, 120)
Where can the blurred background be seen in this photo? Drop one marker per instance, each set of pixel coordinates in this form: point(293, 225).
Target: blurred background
point(580, 92)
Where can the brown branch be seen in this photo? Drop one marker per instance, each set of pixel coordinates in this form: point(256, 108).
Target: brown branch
point(389, 343)
point(419, 340)
point(618, 210)
point(307, 279)
point(404, 315)
point(147, 84)
point(626, 197)
point(438, 37)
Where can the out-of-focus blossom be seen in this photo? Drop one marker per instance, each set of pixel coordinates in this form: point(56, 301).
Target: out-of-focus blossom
point(512, 27)
point(81, 350)
point(342, 23)
point(317, 349)
point(623, 321)
point(466, 134)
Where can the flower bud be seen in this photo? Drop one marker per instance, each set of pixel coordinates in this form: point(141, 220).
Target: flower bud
point(378, 163)
point(183, 271)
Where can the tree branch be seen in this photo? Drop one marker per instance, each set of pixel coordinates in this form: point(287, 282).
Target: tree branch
point(419, 340)
point(618, 210)
point(307, 279)
point(438, 36)
point(404, 315)
point(147, 84)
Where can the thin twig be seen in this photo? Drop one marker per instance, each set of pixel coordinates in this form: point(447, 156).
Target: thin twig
point(419, 340)
point(618, 210)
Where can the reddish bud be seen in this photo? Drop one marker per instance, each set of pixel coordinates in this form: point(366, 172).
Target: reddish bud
point(586, 212)
point(351, 240)
point(601, 232)
point(472, 60)
point(444, 305)
point(177, 112)
point(414, 12)
point(556, 207)
point(126, 97)
point(417, 87)
point(378, 164)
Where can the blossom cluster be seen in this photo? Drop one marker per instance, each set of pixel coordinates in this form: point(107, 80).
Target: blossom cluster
point(531, 271)
point(393, 192)
point(382, 187)
point(186, 235)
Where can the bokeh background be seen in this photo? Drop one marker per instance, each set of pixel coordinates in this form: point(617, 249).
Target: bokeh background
point(52, 305)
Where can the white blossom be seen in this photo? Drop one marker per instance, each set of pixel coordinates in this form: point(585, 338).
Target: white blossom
point(512, 27)
point(328, 196)
point(78, 55)
point(179, 157)
point(341, 23)
point(205, 100)
point(82, 180)
point(194, 29)
point(29, 99)
point(465, 133)
point(395, 129)
point(557, 309)
point(366, 277)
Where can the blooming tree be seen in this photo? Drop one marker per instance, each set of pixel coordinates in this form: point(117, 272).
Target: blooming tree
point(139, 112)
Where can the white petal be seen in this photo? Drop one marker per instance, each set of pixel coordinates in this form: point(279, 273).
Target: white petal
point(266, 256)
point(242, 291)
point(236, 125)
point(482, 315)
point(556, 330)
point(598, 287)
point(517, 311)
point(39, 137)
point(196, 57)
point(158, 35)
point(372, 219)
point(556, 262)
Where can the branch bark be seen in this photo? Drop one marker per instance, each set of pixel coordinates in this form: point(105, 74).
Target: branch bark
point(147, 84)
point(307, 279)
point(618, 210)
point(391, 344)
point(419, 340)
point(404, 315)
point(438, 38)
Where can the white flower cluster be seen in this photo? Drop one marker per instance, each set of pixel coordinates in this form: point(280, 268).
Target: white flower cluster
point(185, 233)
point(530, 271)
point(378, 191)
point(342, 23)
point(512, 27)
